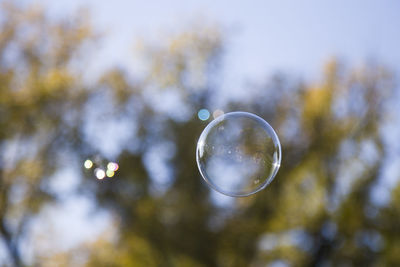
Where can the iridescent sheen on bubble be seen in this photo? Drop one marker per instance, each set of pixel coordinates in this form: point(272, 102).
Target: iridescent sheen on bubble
point(238, 154)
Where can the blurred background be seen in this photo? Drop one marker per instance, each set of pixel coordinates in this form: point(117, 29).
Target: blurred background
point(99, 121)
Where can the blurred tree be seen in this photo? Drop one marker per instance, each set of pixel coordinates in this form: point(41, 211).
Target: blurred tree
point(318, 212)
point(40, 102)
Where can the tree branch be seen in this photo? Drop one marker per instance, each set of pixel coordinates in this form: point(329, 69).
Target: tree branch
point(11, 246)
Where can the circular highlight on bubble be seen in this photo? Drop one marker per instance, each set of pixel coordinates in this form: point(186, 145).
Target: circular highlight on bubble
point(238, 154)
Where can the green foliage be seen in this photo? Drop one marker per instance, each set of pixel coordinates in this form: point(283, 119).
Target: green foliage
point(40, 102)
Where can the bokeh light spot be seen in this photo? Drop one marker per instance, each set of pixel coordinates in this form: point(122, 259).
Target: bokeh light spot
point(112, 166)
point(203, 114)
point(217, 113)
point(110, 173)
point(88, 164)
point(99, 173)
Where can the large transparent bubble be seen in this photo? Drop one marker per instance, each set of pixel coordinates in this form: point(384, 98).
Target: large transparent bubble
point(238, 154)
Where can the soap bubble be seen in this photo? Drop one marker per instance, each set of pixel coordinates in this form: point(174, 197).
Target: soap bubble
point(238, 154)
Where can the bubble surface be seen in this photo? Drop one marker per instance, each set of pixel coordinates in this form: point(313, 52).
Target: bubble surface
point(238, 154)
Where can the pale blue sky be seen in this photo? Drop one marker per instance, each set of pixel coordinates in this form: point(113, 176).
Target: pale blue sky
point(264, 36)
